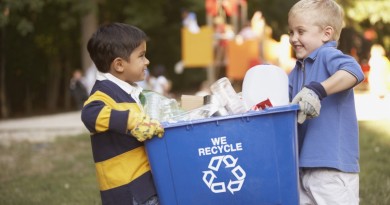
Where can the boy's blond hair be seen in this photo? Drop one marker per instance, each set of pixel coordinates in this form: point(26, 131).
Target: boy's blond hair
point(322, 12)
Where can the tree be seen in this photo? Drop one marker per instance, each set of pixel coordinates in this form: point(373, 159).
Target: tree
point(89, 22)
point(42, 36)
point(47, 39)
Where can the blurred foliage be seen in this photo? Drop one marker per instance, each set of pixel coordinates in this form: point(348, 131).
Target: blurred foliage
point(374, 11)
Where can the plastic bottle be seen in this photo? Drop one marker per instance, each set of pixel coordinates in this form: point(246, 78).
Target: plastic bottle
point(225, 93)
point(152, 105)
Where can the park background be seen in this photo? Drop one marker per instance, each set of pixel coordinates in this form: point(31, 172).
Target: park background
point(43, 41)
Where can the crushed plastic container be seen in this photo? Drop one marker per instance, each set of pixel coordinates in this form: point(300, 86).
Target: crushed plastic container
point(248, 158)
point(224, 92)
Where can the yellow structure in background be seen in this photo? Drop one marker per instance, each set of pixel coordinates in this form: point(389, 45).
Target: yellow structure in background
point(241, 55)
point(216, 48)
point(197, 48)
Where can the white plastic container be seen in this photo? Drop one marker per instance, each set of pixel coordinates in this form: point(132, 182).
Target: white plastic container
point(263, 82)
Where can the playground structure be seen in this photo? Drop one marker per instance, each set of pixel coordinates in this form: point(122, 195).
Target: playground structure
point(231, 43)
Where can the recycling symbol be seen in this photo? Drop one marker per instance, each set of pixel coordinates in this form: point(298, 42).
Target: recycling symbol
point(234, 185)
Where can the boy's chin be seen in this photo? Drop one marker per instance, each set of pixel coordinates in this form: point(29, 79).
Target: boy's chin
point(140, 80)
point(300, 57)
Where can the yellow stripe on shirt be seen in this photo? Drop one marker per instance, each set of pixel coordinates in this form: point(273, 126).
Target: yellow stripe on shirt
point(103, 119)
point(122, 169)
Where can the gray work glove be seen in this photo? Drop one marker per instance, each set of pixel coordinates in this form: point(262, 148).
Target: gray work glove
point(309, 100)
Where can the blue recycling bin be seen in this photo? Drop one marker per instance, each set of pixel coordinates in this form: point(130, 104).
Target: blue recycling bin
point(250, 158)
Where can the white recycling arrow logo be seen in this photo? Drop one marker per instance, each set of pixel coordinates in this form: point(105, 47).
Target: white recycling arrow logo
point(230, 162)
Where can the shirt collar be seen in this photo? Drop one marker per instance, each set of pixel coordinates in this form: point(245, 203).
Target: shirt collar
point(313, 55)
point(133, 90)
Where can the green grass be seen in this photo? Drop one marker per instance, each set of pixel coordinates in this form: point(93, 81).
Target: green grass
point(62, 172)
point(375, 163)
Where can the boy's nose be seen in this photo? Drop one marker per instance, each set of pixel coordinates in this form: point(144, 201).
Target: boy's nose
point(147, 61)
point(293, 38)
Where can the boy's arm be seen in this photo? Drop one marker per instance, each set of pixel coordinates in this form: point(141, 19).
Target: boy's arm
point(346, 74)
point(101, 113)
point(309, 98)
point(339, 81)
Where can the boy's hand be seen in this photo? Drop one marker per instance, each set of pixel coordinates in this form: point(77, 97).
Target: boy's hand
point(309, 104)
point(143, 127)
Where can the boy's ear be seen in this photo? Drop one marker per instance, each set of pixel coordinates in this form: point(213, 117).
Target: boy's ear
point(118, 65)
point(328, 34)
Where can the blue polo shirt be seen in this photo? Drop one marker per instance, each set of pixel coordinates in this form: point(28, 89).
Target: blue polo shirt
point(332, 139)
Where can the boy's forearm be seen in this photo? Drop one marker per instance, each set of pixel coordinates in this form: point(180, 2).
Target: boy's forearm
point(340, 81)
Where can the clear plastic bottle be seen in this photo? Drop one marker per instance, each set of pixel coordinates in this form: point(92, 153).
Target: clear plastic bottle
point(169, 109)
point(213, 99)
point(153, 105)
point(228, 97)
point(160, 107)
point(202, 112)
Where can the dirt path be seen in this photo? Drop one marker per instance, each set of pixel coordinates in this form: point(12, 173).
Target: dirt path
point(41, 128)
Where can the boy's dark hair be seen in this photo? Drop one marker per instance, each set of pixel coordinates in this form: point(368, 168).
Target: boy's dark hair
point(112, 41)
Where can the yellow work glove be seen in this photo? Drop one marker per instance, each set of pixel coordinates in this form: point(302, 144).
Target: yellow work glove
point(143, 127)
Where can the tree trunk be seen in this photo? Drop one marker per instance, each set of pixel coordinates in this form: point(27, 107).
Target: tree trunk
point(67, 75)
point(28, 105)
point(89, 24)
point(53, 84)
point(3, 100)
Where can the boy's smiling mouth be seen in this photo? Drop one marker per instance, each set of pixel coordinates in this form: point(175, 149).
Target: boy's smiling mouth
point(298, 47)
